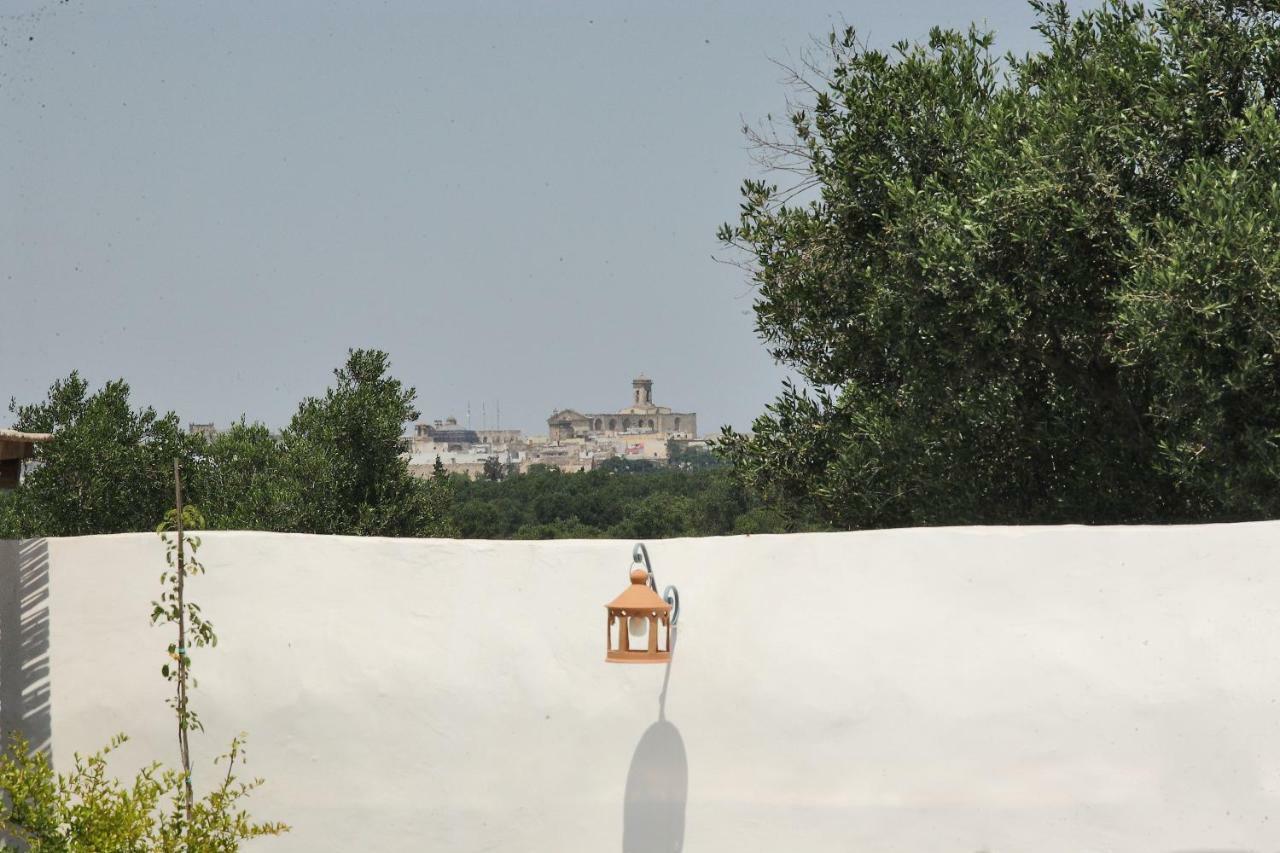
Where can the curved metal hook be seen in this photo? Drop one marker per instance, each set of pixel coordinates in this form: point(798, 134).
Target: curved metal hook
point(671, 595)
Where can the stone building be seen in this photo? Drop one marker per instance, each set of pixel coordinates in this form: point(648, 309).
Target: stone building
point(448, 431)
point(209, 431)
point(643, 416)
point(499, 437)
point(447, 434)
point(575, 441)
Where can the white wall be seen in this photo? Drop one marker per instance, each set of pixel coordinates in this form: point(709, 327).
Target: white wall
point(1000, 689)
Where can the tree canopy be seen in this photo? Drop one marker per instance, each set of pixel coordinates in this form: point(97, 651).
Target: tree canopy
point(343, 462)
point(337, 468)
point(1026, 288)
point(621, 500)
point(109, 468)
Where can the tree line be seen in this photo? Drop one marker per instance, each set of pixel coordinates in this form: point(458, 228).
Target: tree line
point(336, 468)
point(619, 500)
point(339, 468)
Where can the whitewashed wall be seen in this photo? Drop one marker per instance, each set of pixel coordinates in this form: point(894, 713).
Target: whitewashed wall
point(999, 689)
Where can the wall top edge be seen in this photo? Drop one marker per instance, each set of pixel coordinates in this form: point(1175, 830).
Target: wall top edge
point(1009, 530)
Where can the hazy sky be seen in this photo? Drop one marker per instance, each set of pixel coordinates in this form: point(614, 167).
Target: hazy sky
point(516, 200)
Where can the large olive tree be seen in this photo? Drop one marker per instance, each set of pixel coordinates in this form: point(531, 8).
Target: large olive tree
point(1027, 288)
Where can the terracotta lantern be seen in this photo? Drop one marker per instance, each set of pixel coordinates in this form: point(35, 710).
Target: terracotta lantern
point(639, 626)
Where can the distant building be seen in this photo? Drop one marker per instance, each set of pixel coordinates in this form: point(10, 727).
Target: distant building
point(642, 417)
point(574, 441)
point(209, 431)
point(447, 434)
point(15, 449)
point(499, 437)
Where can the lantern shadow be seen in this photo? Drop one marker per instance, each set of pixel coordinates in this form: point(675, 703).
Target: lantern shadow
point(657, 784)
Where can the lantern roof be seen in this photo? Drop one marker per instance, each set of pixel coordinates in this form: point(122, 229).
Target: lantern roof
point(639, 596)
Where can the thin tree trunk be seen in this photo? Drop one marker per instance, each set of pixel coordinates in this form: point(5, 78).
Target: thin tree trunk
point(182, 646)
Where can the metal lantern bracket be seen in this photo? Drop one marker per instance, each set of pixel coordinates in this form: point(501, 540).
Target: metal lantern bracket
point(671, 595)
point(641, 615)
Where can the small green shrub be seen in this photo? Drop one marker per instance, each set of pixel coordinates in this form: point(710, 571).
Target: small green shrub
point(88, 811)
point(91, 811)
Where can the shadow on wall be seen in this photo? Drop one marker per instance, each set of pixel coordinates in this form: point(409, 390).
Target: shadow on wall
point(657, 784)
point(24, 641)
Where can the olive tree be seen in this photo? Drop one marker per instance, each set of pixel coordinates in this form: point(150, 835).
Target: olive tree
point(1026, 288)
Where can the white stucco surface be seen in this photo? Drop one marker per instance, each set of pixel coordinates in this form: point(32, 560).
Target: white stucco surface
point(999, 689)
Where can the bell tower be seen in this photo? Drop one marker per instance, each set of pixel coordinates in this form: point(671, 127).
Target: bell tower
point(642, 391)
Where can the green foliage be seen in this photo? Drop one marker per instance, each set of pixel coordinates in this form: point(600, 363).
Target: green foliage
point(109, 469)
point(240, 479)
point(494, 469)
point(621, 499)
point(681, 455)
point(343, 464)
point(12, 515)
point(1199, 323)
point(335, 469)
point(173, 608)
point(1038, 290)
point(90, 811)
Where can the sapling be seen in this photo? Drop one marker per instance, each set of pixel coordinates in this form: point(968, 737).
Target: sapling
point(89, 811)
point(174, 609)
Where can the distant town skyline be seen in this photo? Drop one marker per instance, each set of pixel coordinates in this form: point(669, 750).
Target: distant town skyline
point(215, 201)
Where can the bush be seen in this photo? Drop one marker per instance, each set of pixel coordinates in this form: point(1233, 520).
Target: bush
point(89, 811)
